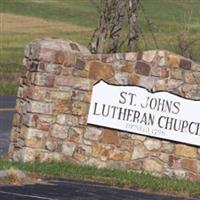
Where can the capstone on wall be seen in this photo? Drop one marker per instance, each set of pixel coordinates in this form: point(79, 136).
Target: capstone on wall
point(54, 97)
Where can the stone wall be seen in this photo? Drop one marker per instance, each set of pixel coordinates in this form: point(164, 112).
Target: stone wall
point(54, 97)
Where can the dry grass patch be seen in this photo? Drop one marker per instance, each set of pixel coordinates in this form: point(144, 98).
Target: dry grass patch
point(11, 23)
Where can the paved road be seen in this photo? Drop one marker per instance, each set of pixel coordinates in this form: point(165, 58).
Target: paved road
point(5, 122)
point(68, 190)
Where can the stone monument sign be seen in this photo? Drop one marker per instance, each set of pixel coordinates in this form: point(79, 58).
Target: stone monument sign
point(144, 118)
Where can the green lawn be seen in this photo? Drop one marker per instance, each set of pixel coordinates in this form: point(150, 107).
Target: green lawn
point(168, 17)
point(115, 177)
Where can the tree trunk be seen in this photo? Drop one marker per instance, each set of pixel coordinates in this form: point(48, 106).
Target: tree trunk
point(103, 26)
point(106, 37)
point(116, 24)
point(133, 32)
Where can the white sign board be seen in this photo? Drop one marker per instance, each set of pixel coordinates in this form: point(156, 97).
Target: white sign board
point(134, 109)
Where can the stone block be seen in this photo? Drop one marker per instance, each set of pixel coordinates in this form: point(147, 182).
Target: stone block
point(190, 77)
point(151, 165)
point(106, 58)
point(118, 155)
point(147, 81)
point(38, 93)
point(139, 152)
point(121, 78)
point(29, 119)
point(74, 46)
point(97, 149)
point(66, 95)
point(82, 83)
point(152, 144)
point(192, 177)
point(46, 55)
point(56, 156)
point(98, 70)
point(61, 119)
point(127, 67)
point(164, 157)
point(142, 68)
point(75, 134)
point(53, 68)
point(14, 134)
point(59, 131)
point(80, 73)
point(43, 79)
point(126, 145)
point(64, 81)
point(177, 74)
point(80, 64)
point(174, 161)
point(82, 152)
point(179, 173)
point(188, 90)
point(75, 82)
point(134, 165)
point(189, 164)
point(110, 137)
point(167, 147)
point(78, 95)
point(67, 71)
point(162, 61)
point(39, 107)
point(72, 120)
point(70, 60)
point(148, 56)
point(68, 148)
point(185, 64)
point(185, 151)
point(26, 155)
point(51, 144)
point(133, 79)
point(62, 106)
point(173, 60)
point(59, 57)
point(138, 137)
point(17, 119)
point(79, 108)
point(82, 120)
point(131, 56)
point(162, 72)
point(34, 138)
point(92, 133)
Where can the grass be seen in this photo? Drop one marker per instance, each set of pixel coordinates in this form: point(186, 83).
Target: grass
point(114, 177)
point(79, 12)
point(23, 21)
point(8, 89)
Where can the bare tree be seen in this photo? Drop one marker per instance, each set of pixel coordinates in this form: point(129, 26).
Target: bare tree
point(106, 37)
point(133, 24)
point(116, 23)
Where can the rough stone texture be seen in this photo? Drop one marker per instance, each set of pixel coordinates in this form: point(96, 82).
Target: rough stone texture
point(68, 148)
point(186, 151)
point(53, 101)
point(151, 144)
point(99, 70)
point(139, 152)
point(152, 166)
point(109, 137)
point(92, 133)
point(142, 68)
